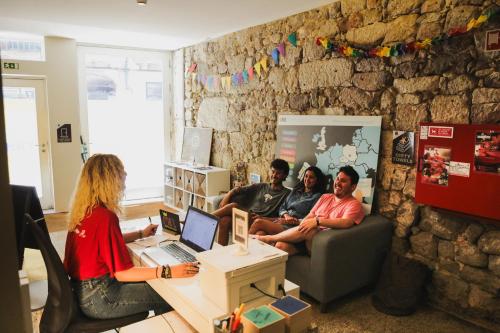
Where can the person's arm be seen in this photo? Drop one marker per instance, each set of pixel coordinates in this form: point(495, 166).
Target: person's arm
point(228, 196)
point(312, 222)
point(150, 230)
point(137, 274)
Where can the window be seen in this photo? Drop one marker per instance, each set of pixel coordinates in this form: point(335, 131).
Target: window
point(123, 111)
point(22, 47)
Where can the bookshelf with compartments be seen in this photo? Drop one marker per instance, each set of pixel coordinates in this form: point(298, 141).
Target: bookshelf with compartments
point(186, 184)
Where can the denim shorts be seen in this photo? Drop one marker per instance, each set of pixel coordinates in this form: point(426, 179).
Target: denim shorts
point(105, 298)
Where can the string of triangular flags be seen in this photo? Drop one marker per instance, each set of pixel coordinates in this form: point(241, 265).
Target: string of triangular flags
point(226, 82)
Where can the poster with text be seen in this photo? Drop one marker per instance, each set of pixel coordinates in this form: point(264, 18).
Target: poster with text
point(487, 152)
point(436, 163)
point(403, 148)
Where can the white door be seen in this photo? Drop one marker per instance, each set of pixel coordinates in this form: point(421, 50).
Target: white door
point(27, 129)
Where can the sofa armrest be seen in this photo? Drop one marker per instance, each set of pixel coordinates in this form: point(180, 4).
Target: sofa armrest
point(350, 257)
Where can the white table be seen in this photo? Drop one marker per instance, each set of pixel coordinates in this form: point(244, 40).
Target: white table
point(185, 295)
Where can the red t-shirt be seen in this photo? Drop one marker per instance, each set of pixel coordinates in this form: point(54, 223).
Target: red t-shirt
point(96, 247)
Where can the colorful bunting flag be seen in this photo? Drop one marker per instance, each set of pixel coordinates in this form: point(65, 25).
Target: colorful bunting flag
point(250, 73)
point(263, 63)
point(292, 38)
point(257, 68)
point(245, 76)
point(276, 56)
point(281, 49)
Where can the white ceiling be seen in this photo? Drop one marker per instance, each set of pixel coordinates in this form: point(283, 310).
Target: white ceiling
point(162, 24)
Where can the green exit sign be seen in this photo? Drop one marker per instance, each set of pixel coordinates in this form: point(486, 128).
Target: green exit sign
point(10, 65)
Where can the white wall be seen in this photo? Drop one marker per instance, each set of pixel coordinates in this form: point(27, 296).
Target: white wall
point(61, 74)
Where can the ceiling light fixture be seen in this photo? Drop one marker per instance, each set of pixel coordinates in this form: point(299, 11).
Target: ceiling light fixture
point(142, 2)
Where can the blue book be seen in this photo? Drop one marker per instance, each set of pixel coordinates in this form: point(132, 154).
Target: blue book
point(289, 305)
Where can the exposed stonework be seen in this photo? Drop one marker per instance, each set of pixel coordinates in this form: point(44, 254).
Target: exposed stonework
point(455, 82)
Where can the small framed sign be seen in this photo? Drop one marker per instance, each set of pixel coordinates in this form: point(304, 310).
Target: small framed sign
point(240, 231)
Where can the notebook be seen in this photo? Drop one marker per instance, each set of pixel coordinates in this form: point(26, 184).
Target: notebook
point(197, 235)
point(170, 222)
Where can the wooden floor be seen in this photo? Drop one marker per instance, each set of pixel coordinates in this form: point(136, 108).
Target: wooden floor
point(59, 221)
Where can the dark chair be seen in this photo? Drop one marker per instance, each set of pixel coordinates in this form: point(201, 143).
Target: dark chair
point(62, 313)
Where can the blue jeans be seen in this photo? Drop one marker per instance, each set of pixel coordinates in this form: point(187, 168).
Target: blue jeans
point(105, 298)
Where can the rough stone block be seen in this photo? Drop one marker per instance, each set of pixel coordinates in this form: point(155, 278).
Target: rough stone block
point(402, 7)
point(449, 266)
point(446, 228)
point(401, 29)
point(336, 72)
point(492, 80)
point(470, 255)
point(451, 287)
point(351, 6)
point(412, 99)
point(494, 264)
point(277, 79)
point(408, 116)
point(485, 113)
point(429, 30)
point(481, 299)
point(425, 244)
point(312, 52)
point(431, 6)
point(370, 35)
point(371, 16)
point(371, 81)
point(395, 198)
point(473, 232)
point(370, 65)
point(450, 109)
point(484, 278)
point(489, 242)
point(299, 102)
point(459, 84)
point(446, 249)
point(355, 98)
point(460, 16)
point(485, 95)
point(387, 99)
point(213, 113)
point(418, 84)
point(409, 188)
point(399, 178)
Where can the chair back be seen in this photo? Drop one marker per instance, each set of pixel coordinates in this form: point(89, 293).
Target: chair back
point(61, 305)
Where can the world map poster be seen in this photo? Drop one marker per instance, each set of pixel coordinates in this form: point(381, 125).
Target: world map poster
point(330, 142)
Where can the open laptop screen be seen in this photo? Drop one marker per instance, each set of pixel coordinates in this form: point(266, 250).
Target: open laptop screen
point(199, 229)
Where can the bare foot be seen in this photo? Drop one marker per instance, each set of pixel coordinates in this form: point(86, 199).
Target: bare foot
point(265, 238)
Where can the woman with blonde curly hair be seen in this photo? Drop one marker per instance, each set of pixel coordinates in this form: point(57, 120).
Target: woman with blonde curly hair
point(104, 279)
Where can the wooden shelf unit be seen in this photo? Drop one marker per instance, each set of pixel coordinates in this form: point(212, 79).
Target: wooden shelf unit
point(186, 184)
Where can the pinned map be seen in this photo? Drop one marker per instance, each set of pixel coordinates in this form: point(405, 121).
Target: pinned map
point(330, 142)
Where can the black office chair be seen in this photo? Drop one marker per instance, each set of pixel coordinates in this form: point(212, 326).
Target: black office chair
point(62, 313)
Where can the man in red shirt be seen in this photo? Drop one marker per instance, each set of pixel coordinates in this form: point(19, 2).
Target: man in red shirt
point(339, 210)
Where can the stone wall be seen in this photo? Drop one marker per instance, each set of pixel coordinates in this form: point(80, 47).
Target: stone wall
point(453, 82)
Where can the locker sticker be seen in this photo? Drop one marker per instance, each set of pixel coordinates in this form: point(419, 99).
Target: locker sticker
point(461, 169)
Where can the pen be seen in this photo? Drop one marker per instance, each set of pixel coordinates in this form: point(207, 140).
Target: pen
point(149, 217)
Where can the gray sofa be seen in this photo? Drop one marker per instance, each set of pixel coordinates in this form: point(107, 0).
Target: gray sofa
point(342, 260)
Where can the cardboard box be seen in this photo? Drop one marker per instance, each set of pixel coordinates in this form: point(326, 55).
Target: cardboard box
point(297, 313)
point(263, 320)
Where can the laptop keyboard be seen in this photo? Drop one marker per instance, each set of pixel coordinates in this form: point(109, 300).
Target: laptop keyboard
point(178, 252)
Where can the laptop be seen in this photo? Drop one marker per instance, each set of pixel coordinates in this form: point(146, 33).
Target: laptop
point(197, 235)
point(170, 222)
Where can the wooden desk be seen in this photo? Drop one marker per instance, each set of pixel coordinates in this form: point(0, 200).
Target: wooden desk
point(185, 294)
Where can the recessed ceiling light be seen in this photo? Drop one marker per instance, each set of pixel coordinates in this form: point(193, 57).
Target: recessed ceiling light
point(142, 2)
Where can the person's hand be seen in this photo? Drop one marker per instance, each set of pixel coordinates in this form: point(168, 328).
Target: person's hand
point(150, 230)
point(288, 217)
point(184, 270)
point(307, 225)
